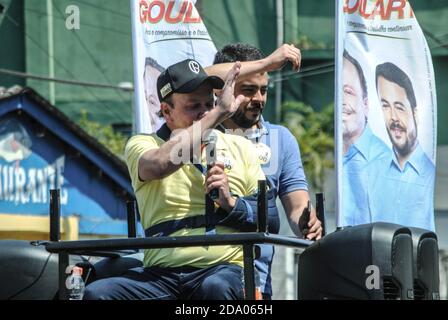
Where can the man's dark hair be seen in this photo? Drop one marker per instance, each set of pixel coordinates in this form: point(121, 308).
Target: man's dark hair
point(358, 68)
point(238, 52)
point(392, 73)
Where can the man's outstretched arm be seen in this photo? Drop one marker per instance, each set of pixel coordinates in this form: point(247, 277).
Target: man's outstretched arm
point(275, 61)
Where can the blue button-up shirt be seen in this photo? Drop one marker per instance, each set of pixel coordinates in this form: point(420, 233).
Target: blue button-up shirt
point(279, 154)
point(403, 196)
point(285, 170)
point(355, 177)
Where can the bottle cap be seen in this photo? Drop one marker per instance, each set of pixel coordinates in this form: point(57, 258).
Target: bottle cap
point(77, 271)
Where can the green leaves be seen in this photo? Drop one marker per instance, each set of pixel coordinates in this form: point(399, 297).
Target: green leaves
point(105, 134)
point(315, 133)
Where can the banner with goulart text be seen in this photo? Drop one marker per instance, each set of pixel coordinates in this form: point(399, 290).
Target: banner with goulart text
point(163, 32)
point(386, 115)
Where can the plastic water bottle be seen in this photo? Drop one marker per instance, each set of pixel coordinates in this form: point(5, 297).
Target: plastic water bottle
point(76, 284)
point(258, 294)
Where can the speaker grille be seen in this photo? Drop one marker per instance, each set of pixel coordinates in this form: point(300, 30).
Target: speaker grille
point(419, 291)
point(391, 290)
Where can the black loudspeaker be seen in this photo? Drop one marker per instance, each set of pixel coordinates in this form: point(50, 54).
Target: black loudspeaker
point(426, 264)
point(27, 271)
point(371, 261)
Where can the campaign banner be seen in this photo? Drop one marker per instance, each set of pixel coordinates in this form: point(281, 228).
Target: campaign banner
point(163, 32)
point(386, 116)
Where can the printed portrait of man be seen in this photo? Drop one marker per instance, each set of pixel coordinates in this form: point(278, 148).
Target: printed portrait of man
point(360, 145)
point(403, 185)
point(150, 75)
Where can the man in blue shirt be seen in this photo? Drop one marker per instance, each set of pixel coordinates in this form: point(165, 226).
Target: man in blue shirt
point(277, 148)
point(402, 188)
point(360, 145)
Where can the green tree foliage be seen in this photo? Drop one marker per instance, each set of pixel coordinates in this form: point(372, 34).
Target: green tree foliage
point(315, 133)
point(105, 134)
point(305, 43)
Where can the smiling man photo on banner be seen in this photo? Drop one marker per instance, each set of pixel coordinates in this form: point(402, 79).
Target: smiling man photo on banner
point(150, 75)
point(360, 144)
point(403, 180)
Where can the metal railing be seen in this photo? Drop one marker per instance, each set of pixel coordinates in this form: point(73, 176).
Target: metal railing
point(119, 247)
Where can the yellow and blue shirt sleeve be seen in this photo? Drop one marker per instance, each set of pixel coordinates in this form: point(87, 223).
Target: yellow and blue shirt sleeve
point(134, 150)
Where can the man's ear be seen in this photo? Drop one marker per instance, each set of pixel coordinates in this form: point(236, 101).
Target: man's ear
point(166, 110)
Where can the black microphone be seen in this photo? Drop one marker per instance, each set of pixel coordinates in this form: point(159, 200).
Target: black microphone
point(210, 158)
point(320, 210)
point(304, 219)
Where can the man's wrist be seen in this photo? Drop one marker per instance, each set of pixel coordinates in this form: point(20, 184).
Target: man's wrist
point(216, 116)
point(267, 64)
point(230, 204)
point(219, 113)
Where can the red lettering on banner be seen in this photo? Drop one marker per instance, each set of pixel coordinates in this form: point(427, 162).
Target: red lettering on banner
point(143, 11)
point(169, 12)
point(362, 9)
point(400, 8)
point(189, 18)
point(380, 9)
point(351, 10)
point(161, 5)
point(185, 14)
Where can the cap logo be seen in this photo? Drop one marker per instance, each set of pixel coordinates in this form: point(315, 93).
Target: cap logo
point(194, 66)
point(166, 90)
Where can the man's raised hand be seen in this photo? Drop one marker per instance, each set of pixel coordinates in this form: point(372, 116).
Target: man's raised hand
point(227, 103)
point(285, 53)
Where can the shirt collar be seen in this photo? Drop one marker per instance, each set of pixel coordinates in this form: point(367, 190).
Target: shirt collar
point(362, 145)
point(416, 160)
point(253, 135)
point(256, 134)
point(164, 132)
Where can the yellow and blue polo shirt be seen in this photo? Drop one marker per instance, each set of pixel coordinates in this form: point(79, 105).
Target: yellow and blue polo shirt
point(182, 194)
